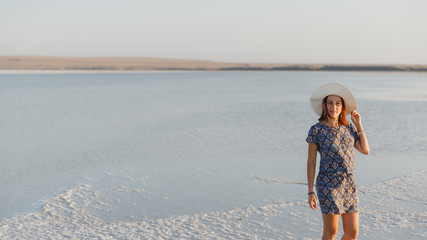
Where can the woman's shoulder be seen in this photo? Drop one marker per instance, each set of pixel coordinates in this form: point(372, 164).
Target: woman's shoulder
point(313, 134)
point(316, 127)
point(350, 127)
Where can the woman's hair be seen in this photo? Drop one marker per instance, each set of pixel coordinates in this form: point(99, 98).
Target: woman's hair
point(342, 117)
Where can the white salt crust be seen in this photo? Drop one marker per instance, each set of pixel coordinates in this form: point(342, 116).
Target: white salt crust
point(393, 209)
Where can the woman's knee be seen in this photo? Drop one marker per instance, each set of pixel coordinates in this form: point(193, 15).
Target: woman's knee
point(351, 225)
point(330, 226)
point(330, 233)
point(351, 233)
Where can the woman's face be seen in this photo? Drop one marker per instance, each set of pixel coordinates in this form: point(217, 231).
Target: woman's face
point(334, 106)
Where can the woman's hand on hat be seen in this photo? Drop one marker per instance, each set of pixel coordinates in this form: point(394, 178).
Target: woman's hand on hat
point(356, 118)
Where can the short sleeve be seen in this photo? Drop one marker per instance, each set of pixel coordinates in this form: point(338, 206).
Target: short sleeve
point(312, 135)
point(354, 133)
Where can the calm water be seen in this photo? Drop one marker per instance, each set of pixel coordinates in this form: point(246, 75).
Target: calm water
point(141, 146)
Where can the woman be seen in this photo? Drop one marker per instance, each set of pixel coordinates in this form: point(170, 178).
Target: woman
point(335, 140)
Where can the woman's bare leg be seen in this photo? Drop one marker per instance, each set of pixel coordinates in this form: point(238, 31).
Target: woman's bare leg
point(330, 226)
point(350, 223)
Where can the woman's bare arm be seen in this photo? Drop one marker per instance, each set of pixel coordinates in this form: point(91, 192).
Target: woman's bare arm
point(362, 145)
point(311, 170)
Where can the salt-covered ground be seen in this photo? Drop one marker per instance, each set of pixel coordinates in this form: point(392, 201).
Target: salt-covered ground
point(393, 209)
point(198, 155)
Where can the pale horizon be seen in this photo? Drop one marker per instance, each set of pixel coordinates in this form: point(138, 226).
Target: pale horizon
point(309, 32)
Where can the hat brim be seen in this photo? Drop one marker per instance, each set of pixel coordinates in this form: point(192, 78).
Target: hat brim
point(332, 89)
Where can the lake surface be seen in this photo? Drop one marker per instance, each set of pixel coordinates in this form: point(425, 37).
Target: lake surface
point(198, 154)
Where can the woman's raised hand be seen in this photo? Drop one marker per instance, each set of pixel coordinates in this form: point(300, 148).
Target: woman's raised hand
point(356, 118)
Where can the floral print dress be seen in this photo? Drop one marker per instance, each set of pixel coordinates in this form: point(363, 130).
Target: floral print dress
point(335, 185)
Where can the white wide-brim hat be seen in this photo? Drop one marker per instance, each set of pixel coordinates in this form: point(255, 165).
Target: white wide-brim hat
point(332, 89)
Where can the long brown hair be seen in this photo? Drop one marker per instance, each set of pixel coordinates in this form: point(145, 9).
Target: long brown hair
point(342, 117)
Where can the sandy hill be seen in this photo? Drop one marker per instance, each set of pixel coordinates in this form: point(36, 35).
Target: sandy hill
point(145, 64)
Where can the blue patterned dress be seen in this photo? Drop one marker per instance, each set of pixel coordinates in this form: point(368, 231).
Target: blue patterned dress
point(335, 185)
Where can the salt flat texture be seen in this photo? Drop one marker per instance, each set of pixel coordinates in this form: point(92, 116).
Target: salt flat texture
point(396, 208)
point(393, 209)
point(197, 155)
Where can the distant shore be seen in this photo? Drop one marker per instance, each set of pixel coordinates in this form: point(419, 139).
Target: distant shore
point(162, 64)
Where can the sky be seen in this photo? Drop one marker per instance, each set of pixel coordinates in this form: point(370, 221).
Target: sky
point(256, 31)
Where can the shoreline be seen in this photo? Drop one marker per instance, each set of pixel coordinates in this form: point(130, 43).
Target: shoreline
point(257, 220)
point(131, 65)
point(70, 72)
